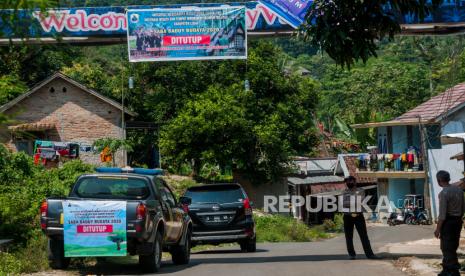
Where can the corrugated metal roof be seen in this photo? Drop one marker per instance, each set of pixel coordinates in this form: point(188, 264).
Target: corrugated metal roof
point(315, 179)
point(340, 192)
point(317, 164)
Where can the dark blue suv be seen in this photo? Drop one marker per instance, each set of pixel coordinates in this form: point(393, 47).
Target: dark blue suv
point(221, 213)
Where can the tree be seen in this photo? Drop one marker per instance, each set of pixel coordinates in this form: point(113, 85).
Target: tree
point(117, 237)
point(349, 30)
point(113, 145)
point(11, 19)
point(10, 88)
point(257, 130)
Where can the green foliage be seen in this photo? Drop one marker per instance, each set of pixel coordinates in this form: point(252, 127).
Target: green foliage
point(407, 72)
point(10, 87)
point(349, 30)
point(334, 225)
point(92, 75)
point(9, 264)
point(179, 185)
point(212, 172)
point(278, 228)
point(256, 131)
point(26, 258)
point(13, 21)
point(206, 128)
point(113, 145)
point(33, 256)
point(24, 185)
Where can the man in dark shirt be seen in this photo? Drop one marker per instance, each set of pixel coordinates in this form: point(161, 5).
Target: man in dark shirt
point(355, 218)
point(451, 210)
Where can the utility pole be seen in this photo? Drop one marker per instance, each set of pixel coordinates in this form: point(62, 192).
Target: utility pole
point(426, 186)
point(123, 122)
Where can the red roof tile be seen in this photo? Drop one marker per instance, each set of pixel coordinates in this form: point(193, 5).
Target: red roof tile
point(437, 105)
point(350, 163)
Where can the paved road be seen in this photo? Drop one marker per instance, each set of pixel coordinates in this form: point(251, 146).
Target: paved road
point(315, 258)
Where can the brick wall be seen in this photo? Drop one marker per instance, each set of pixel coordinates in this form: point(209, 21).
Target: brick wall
point(77, 115)
point(256, 192)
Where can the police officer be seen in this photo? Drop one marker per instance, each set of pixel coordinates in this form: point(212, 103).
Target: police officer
point(355, 218)
point(451, 210)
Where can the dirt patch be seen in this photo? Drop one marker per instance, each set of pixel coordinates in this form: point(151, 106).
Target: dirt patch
point(403, 264)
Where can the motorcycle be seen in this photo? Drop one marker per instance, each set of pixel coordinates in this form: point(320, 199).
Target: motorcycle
point(412, 212)
point(410, 216)
point(395, 219)
point(420, 217)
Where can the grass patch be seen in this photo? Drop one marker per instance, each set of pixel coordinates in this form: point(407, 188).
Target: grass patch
point(28, 258)
point(179, 184)
point(278, 228)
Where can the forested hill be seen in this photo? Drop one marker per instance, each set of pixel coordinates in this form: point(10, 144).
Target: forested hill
point(274, 118)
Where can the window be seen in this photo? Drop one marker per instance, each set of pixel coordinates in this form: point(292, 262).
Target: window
point(24, 146)
point(169, 197)
point(216, 194)
point(165, 192)
point(112, 187)
point(158, 184)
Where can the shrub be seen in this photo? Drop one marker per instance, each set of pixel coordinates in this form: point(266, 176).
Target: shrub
point(278, 228)
point(179, 185)
point(23, 186)
point(9, 264)
point(33, 256)
point(335, 225)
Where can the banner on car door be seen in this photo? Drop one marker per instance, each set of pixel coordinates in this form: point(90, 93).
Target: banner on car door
point(187, 34)
point(94, 228)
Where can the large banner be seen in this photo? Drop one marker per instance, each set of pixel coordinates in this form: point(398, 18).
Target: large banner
point(187, 34)
point(291, 11)
point(100, 24)
point(108, 24)
point(94, 228)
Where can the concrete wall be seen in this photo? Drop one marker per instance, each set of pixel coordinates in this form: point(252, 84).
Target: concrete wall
point(256, 192)
point(77, 115)
point(439, 159)
point(454, 123)
point(399, 139)
point(396, 189)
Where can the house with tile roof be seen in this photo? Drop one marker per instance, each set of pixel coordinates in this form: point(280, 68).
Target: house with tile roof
point(320, 177)
point(421, 128)
point(62, 110)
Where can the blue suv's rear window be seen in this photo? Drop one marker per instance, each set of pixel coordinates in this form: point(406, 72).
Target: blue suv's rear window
point(215, 194)
point(112, 187)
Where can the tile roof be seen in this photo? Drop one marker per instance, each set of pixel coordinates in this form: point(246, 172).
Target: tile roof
point(36, 88)
point(350, 163)
point(32, 127)
point(438, 105)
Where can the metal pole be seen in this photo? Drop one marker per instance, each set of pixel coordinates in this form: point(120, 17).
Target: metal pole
point(426, 186)
point(463, 153)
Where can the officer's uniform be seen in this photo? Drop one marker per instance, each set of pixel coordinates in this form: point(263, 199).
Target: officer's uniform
point(355, 218)
point(451, 210)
